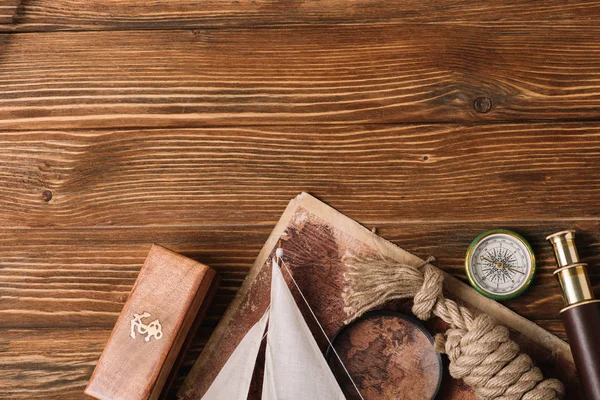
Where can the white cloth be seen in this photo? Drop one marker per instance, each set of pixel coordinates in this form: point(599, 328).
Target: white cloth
point(233, 382)
point(295, 368)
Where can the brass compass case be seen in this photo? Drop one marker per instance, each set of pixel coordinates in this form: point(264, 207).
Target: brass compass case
point(514, 237)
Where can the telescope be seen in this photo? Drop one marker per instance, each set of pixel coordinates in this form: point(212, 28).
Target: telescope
point(581, 314)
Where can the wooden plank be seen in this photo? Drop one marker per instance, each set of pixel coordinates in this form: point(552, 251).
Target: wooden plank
point(80, 278)
point(555, 326)
point(143, 14)
point(317, 239)
point(300, 75)
point(191, 177)
point(8, 10)
point(56, 363)
point(48, 363)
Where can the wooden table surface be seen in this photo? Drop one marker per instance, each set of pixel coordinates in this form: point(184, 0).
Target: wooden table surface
point(192, 124)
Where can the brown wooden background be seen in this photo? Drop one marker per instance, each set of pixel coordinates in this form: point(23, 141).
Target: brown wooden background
point(191, 124)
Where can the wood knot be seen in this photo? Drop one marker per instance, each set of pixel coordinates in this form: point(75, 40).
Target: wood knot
point(47, 195)
point(482, 104)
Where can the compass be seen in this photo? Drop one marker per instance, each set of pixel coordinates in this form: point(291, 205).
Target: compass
point(500, 264)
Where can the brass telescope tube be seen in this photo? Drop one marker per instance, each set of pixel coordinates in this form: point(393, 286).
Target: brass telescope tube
point(581, 314)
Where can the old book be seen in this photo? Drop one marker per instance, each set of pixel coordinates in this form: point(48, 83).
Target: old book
point(152, 328)
point(317, 237)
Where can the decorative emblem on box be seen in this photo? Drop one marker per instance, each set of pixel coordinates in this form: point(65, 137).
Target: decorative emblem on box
point(153, 329)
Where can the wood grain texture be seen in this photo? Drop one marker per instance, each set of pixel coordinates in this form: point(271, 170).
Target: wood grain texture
point(361, 73)
point(142, 14)
point(48, 363)
point(8, 11)
point(190, 177)
point(81, 112)
point(80, 278)
point(56, 363)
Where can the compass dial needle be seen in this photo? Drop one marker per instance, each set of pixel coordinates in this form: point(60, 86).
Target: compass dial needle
point(514, 270)
point(500, 264)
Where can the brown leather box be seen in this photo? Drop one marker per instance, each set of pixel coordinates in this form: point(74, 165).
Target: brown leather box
point(153, 326)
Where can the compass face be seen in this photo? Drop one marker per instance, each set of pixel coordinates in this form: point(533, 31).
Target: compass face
point(500, 264)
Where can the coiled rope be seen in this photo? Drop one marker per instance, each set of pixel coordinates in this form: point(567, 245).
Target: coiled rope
point(481, 352)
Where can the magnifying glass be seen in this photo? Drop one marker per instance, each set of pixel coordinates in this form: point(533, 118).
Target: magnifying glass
point(389, 356)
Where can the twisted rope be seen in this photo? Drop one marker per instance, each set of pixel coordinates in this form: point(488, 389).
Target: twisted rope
point(481, 352)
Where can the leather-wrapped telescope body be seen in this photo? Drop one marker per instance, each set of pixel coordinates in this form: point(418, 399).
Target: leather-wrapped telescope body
point(581, 315)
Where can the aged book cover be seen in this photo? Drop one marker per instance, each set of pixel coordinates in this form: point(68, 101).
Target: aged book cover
point(317, 237)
